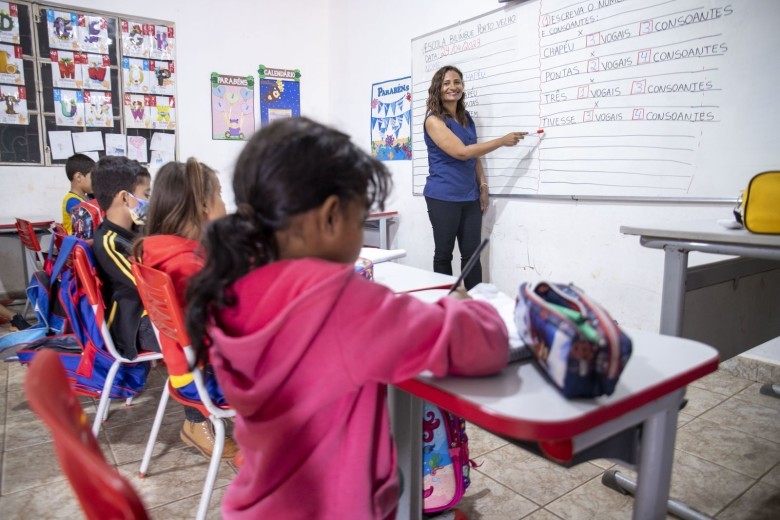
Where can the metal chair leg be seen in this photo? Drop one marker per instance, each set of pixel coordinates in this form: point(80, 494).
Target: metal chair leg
point(158, 418)
point(615, 480)
point(216, 458)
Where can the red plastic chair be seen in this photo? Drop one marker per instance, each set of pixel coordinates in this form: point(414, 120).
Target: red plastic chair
point(159, 297)
point(89, 281)
point(30, 242)
point(101, 490)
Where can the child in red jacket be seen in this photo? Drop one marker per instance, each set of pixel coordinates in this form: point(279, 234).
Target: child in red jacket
point(186, 198)
point(304, 347)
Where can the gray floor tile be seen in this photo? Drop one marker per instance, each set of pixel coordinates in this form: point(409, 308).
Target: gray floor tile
point(727, 447)
point(753, 395)
point(750, 418)
point(701, 400)
point(542, 514)
point(128, 442)
point(28, 468)
point(761, 502)
point(486, 499)
point(721, 382)
point(39, 503)
point(188, 507)
point(772, 478)
point(593, 500)
point(481, 441)
point(683, 419)
point(16, 373)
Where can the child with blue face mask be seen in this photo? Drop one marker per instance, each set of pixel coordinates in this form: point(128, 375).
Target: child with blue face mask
point(122, 188)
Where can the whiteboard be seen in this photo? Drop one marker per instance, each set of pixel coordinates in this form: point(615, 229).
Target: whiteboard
point(652, 99)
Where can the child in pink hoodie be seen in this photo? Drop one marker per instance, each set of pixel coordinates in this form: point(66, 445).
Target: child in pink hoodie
point(303, 347)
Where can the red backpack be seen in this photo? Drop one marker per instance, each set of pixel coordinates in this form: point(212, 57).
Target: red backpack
point(86, 217)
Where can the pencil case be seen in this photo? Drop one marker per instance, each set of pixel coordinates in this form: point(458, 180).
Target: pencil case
point(575, 342)
point(760, 207)
point(365, 268)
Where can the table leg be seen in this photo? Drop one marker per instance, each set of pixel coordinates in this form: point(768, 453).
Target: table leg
point(673, 295)
point(655, 464)
point(383, 233)
point(406, 423)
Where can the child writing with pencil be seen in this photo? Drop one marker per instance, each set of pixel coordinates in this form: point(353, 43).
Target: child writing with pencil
point(302, 346)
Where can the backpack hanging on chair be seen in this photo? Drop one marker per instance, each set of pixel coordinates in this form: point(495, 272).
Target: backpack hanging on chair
point(85, 218)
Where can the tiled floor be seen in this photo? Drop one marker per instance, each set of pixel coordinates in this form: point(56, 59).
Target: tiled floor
point(727, 462)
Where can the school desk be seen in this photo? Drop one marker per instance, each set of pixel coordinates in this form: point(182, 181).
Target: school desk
point(404, 278)
point(378, 255)
point(706, 236)
point(381, 220)
point(41, 223)
point(520, 405)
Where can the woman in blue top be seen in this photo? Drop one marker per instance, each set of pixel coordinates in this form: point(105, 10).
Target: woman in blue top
point(456, 191)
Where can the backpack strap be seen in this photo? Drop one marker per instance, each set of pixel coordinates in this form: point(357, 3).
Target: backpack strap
point(68, 243)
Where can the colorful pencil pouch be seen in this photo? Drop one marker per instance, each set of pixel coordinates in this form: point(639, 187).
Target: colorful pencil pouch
point(575, 342)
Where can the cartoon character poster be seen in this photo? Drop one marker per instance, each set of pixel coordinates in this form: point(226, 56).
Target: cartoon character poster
point(232, 107)
point(11, 65)
point(93, 34)
point(137, 111)
point(63, 30)
point(98, 108)
point(135, 38)
point(66, 68)
point(95, 72)
point(280, 94)
point(162, 42)
point(13, 105)
point(391, 120)
point(163, 77)
point(9, 23)
point(136, 75)
point(68, 107)
point(163, 112)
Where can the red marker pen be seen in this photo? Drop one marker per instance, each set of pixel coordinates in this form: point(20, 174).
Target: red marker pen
point(539, 133)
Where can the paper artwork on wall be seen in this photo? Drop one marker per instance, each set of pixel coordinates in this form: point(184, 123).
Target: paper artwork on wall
point(232, 107)
point(13, 105)
point(98, 108)
point(135, 75)
point(66, 68)
point(68, 107)
point(93, 34)
point(391, 120)
point(9, 23)
point(162, 78)
point(135, 38)
point(136, 148)
point(11, 65)
point(162, 42)
point(60, 144)
point(280, 94)
point(116, 144)
point(95, 72)
point(163, 112)
point(63, 30)
point(137, 113)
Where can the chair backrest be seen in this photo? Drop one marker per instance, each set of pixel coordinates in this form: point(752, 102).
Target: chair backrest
point(88, 278)
point(159, 297)
point(30, 242)
point(101, 490)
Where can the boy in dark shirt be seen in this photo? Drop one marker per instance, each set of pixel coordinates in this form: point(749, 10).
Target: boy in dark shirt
point(122, 188)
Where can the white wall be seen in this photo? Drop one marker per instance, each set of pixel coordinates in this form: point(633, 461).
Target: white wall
point(530, 239)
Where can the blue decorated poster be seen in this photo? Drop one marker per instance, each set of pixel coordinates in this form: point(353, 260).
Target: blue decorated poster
point(280, 94)
point(391, 120)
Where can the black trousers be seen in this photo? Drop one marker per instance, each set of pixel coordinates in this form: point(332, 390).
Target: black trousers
point(450, 221)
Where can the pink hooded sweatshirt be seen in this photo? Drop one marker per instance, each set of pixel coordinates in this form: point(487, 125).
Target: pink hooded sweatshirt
point(305, 357)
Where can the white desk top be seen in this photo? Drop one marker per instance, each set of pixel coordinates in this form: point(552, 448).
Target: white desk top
point(378, 256)
point(520, 403)
point(702, 230)
point(403, 278)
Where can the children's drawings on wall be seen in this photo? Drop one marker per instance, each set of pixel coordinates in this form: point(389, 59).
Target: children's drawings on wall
point(116, 144)
point(163, 77)
point(63, 30)
point(66, 68)
point(162, 42)
point(280, 94)
point(9, 23)
point(135, 75)
point(163, 112)
point(13, 105)
point(136, 148)
point(232, 107)
point(98, 108)
point(137, 112)
point(95, 73)
point(11, 69)
point(135, 38)
point(68, 107)
point(93, 34)
point(391, 119)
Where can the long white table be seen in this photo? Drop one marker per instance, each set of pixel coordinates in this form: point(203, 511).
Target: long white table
point(706, 236)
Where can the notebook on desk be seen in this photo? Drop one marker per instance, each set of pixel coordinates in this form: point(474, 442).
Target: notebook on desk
point(518, 351)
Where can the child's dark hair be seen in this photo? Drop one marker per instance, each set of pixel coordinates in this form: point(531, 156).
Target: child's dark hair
point(78, 163)
point(289, 167)
point(181, 194)
point(113, 174)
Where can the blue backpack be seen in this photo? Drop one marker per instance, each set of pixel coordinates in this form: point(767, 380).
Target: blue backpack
point(82, 351)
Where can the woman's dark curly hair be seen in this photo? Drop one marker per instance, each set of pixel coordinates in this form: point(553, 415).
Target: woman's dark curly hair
point(435, 106)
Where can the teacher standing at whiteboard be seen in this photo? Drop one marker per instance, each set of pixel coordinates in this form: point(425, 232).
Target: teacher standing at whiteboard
point(456, 191)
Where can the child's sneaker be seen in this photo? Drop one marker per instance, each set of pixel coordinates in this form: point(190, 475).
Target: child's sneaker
point(200, 435)
point(19, 322)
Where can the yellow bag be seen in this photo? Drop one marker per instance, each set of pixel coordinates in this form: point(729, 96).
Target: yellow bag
point(760, 208)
